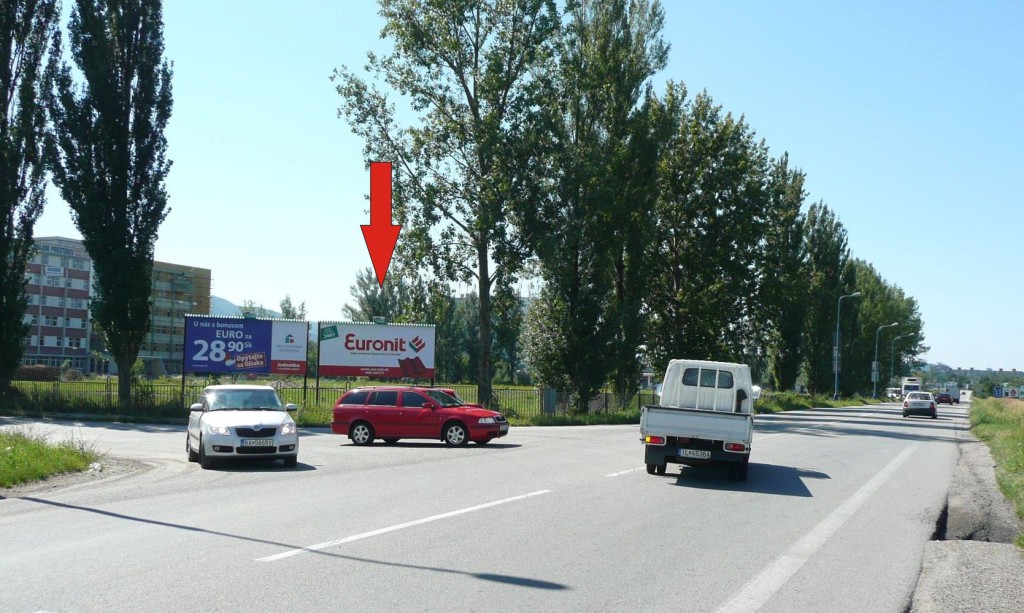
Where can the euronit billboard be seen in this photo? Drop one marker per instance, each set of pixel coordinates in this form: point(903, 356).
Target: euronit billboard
point(392, 351)
point(241, 345)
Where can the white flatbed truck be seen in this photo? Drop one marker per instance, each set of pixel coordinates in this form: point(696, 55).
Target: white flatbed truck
point(705, 416)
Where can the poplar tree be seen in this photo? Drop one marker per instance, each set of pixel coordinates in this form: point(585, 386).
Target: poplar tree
point(28, 28)
point(109, 159)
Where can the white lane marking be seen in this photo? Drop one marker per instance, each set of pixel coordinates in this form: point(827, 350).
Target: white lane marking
point(408, 524)
point(626, 472)
point(756, 592)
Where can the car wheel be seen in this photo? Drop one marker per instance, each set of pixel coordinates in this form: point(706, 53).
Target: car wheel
point(455, 435)
point(192, 455)
point(661, 468)
point(391, 441)
point(904, 415)
point(652, 469)
point(361, 433)
point(935, 415)
point(204, 460)
point(291, 461)
point(483, 442)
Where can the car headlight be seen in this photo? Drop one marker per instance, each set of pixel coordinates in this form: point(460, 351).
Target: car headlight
point(486, 420)
point(287, 429)
point(222, 430)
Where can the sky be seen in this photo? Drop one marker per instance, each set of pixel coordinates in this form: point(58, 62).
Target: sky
point(907, 118)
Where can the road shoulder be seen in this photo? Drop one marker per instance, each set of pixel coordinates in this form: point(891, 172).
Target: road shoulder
point(976, 567)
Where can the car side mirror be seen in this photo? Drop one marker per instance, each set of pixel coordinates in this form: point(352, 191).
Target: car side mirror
point(430, 405)
point(196, 407)
point(290, 407)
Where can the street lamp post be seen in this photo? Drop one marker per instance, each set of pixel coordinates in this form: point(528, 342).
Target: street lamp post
point(836, 352)
point(892, 353)
point(875, 369)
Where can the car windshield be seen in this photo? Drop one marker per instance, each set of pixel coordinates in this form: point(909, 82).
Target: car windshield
point(442, 399)
point(245, 400)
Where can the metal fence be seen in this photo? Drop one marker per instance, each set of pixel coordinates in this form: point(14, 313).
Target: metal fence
point(166, 399)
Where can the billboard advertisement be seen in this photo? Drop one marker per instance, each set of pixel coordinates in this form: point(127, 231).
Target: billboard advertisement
point(242, 345)
point(394, 351)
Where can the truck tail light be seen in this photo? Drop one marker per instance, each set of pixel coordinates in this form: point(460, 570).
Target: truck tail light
point(654, 440)
point(735, 447)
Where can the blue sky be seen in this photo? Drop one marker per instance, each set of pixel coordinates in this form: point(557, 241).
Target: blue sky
point(907, 118)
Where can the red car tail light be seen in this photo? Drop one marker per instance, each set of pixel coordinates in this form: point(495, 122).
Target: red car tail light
point(735, 447)
point(933, 406)
point(906, 405)
point(654, 440)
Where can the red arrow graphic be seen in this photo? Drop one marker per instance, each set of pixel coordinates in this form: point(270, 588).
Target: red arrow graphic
point(381, 235)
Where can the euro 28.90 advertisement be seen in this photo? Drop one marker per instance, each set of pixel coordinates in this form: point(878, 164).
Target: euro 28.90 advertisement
point(242, 345)
point(376, 350)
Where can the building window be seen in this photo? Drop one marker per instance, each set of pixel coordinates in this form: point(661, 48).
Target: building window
point(82, 323)
point(78, 264)
point(49, 320)
point(33, 299)
point(54, 282)
point(34, 321)
point(74, 342)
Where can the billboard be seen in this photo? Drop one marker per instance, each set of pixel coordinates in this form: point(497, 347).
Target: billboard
point(243, 345)
point(376, 350)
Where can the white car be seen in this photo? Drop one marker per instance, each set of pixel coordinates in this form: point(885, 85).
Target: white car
point(241, 421)
point(919, 403)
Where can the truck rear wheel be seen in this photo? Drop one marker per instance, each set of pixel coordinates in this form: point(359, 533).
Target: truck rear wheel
point(661, 468)
point(651, 468)
point(739, 471)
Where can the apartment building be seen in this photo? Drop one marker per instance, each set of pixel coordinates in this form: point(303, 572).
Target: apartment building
point(59, 287)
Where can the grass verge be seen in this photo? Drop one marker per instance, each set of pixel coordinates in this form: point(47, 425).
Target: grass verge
point(25, 457)
point(777, 402)
point(1000, 423)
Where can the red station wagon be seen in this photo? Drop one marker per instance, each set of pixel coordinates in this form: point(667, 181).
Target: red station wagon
point(397, 412)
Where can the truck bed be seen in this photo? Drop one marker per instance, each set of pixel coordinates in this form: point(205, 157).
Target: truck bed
point(695, 423)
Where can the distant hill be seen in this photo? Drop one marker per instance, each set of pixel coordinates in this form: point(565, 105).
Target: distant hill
point(220, 307)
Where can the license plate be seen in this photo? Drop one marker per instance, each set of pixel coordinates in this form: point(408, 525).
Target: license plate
point(702, 454)
point(257, 442)
point(503, 428)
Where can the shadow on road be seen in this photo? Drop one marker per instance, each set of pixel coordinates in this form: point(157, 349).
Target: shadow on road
point(247, 465)
point(761, 479)
point(509, 579)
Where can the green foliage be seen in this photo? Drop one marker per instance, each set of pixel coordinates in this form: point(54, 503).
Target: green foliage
point(290, 311)
point(710, 229)
point(466, 69)
point(27, 29)
point(1000, 423)
point(783, 274)
point(777, 402)
point(587, 231)
point(25, 456)
point(827, 256)
point(108, 158)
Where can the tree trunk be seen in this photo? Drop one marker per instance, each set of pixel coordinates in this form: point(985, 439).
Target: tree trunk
point(483, 383)
point(124, 384)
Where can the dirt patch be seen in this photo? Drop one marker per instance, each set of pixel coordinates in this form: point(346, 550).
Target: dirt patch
point(105, 468)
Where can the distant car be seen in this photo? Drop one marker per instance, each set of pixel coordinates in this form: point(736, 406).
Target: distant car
point(943, 397)
point(919, 403)
point(396, 412)
point(241, 421)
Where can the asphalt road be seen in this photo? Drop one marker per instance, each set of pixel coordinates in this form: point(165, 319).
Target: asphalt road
point(834, 517)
